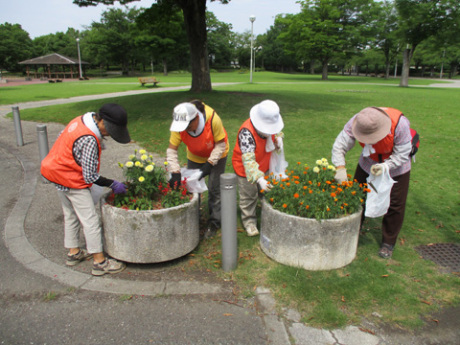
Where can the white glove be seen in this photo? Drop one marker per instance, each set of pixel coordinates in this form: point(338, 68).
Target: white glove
point(279, 143)
point(377, 169)
point(341, 175)
point(264, 184)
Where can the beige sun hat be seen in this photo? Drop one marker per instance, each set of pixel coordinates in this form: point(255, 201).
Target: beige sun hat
point(266, 117)
point(371, 125)
point(182, 115)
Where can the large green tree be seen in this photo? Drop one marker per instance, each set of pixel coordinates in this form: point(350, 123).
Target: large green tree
point(162, 32)
point(195, 23)
point(15, 46)
point(419, 20)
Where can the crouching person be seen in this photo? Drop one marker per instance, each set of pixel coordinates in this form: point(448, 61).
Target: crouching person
point(73, 166)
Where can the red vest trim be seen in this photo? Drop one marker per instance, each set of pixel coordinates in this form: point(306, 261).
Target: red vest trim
point(59, 166)
point(384, 148)
point(262, 157)
point(203, 144)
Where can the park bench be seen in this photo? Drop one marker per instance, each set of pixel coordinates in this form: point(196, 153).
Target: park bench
point(148, 80)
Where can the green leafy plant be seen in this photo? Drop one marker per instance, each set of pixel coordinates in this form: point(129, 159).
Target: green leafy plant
point(313, 192)
point(147, 186)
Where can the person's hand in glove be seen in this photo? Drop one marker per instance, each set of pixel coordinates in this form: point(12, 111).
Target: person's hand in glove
point(205, 169)
point(341, 175)
point(377, 169)
point(279, 143)
point(175, 180)
point(118, 187)
point(264, 184)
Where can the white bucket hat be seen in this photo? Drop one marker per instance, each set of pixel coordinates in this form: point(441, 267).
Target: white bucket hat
point(266, 117)
point(182, 115)
point(371, 125)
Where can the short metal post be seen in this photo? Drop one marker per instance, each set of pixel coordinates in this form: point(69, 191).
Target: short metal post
point(17, 126)
point(228, 183)
point(43, 147)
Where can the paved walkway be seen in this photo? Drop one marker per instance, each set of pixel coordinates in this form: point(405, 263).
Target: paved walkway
point(32, 219)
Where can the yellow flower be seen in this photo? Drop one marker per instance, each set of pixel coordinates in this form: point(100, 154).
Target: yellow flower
point(319, 162)
point(165, 163)
point(142, 152)
point(149, 168)
point(132, 157)
point(144, 157)
point(120, 165)
point(316, 170)
point(138, 164)
point(129, 164)
point(141, 179)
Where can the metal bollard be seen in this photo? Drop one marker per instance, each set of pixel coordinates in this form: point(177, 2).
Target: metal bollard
point(43, 147)
point(228, 189)
point(17, 126)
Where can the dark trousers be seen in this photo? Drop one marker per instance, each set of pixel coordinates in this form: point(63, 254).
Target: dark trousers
point(214, 206)
point(394, 218)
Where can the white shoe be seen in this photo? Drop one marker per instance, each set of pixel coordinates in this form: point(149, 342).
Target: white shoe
point(251, 229)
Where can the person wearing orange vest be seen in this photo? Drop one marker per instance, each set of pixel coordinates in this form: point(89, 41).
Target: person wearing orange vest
point(199, 127)
point(384, 133)
point(257, 138)
point(72, 165)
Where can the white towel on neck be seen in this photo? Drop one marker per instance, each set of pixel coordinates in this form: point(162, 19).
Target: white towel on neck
point(368, 150)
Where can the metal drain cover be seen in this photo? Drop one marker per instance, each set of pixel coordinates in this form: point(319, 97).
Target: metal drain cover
point(446, 255)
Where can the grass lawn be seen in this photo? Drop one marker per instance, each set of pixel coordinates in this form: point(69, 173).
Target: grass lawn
point(402, 289)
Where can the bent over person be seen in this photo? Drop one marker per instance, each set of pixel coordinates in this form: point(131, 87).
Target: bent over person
point(384, 134)
point(201, 129)
point(73, 166)
point(257, 138)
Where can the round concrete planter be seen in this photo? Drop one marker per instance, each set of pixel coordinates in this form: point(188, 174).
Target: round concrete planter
point(308, 243)
point(151, 236)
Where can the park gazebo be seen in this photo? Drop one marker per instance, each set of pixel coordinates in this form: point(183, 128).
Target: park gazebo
point(54, 66)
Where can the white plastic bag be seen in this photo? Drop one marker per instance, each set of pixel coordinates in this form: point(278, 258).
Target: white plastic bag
point(194, 185)
point(97, 192)
point(378, 200)
point(278, 164)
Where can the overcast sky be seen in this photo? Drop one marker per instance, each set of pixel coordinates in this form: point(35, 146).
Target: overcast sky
point(42, 17)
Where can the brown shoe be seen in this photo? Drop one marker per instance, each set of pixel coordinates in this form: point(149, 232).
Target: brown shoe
point(386, 251)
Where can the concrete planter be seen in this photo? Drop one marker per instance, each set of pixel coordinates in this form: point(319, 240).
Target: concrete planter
point(151, 236)
point(308, 243)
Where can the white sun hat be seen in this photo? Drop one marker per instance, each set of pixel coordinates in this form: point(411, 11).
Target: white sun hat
point(182, 115)
point(266, 117)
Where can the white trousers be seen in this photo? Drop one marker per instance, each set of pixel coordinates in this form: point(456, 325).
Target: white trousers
point(80, 212)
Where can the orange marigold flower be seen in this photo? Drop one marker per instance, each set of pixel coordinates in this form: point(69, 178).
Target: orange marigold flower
point(284, 205)
point(266, 177)
point(328, 209)
point(339, 189)
point(319, 184)
point(304, 187)
point(310, 191)
point(271, 199)
point(333, 187)
point(333, 195)
point(296, 182)
point(298, 163)
point(309, 182)
point(328, 182)
point(307, 207)
point(288, 184)
point(353, 193)
point(296, 195)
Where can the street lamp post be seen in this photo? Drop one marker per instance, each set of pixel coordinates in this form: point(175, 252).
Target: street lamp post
point(252, 18)
point(79, 58)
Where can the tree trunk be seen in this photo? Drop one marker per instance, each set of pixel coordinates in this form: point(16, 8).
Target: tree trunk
point(453, 70)
point(324, 74)
point(387, 69)
point(165, 67)
point(312, 66)
point(195, 25)
point(407, 57)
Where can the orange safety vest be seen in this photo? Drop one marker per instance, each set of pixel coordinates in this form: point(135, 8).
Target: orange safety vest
point(384, 148)
point(262, 157)
point(203, 144)
point(59, 166)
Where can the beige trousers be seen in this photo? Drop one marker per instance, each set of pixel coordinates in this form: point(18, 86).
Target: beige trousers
point(249, 195)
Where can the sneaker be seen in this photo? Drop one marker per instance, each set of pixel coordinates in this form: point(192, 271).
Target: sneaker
point(75, 259)
point(251, 229)
point(108, 266)
point(386, 251)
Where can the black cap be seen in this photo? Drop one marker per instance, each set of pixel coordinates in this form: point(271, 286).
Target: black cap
point(115, 122)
